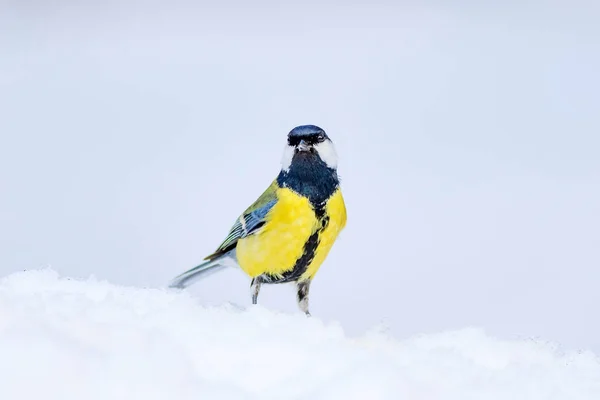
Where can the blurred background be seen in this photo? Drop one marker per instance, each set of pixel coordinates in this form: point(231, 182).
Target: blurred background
point(134, 133)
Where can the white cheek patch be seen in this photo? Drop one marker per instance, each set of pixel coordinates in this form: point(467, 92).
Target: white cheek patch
point(288, 155)
point(327, 153)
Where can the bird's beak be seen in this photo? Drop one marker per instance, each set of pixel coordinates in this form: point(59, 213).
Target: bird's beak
point(303, 146)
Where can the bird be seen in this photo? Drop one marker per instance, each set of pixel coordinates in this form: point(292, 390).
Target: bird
point(289, 230)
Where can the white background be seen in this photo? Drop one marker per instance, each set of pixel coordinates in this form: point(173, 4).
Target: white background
point(132, 135)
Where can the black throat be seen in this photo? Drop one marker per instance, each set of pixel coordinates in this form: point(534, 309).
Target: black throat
point(309, 176)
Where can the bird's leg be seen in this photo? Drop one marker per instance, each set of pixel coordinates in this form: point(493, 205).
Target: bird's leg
point(255, 287)
point(302, 295)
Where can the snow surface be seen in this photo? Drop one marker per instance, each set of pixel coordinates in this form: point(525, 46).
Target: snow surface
point(68, 339)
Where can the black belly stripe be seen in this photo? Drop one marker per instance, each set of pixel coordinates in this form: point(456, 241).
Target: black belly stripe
point(308, 254)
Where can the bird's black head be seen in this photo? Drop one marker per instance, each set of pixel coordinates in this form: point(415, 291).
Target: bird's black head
point(309, 143)
point(311, 135)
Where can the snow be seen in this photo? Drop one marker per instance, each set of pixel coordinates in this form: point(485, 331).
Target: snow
point(72, 339)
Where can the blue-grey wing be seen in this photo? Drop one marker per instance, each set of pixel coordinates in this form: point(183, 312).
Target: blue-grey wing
point(247, 224)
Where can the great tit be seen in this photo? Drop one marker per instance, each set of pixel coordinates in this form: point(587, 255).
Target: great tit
point(287, 233)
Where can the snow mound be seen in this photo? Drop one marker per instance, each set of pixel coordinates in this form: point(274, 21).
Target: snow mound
point(66, 339)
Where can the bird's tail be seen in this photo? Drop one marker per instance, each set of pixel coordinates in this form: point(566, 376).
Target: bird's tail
point(200, 271)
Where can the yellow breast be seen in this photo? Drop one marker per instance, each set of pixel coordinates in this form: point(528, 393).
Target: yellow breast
point(289, 224)
point(280, 242)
